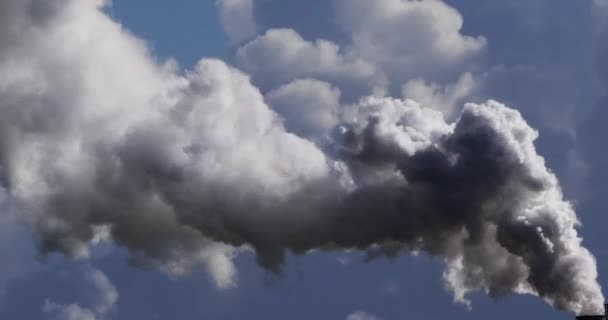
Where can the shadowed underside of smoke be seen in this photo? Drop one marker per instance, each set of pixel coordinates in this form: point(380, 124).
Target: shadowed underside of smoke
point(99, 141)
point(474, 192)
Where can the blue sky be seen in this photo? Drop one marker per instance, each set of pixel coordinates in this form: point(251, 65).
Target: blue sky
point(183, 30)
point(543, 58)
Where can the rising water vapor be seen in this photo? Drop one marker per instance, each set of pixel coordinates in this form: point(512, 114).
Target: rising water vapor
point(100, 141)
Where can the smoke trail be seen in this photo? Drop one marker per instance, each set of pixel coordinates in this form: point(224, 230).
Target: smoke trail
point(100, 140)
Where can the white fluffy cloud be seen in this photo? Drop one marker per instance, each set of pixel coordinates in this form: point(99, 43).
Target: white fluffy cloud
point(71, 126)
point(237, 20)
point(282, 55)
point(186, 168)
point(390, 43)
point(409, 39)
point(310, 107)
point(446, 98)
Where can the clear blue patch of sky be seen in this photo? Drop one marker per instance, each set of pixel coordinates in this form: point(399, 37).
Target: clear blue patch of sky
point(313, 287)
point(185, 30)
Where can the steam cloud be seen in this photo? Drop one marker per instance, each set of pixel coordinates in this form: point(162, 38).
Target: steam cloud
point(98, 140)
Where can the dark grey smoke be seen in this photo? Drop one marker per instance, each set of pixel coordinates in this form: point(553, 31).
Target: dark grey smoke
point(101, 142)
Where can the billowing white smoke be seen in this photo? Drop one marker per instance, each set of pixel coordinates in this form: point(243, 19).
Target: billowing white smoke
point(99, 140)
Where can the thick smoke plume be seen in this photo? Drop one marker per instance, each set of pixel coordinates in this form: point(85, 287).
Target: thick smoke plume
point(100, 141)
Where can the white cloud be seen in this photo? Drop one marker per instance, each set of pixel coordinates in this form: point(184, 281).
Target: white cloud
point(447, 98)
point(282, 55)
point(309, 107)
point(390, 43)
point(55, 311)
point(107, 294)
point(409, 39)
point(96, 132)
point(362, 315)
point(96, 108)
point(236, 17)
